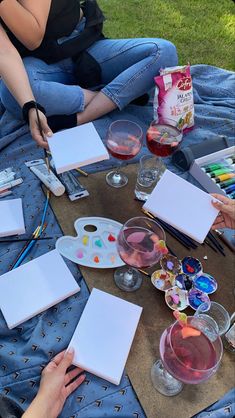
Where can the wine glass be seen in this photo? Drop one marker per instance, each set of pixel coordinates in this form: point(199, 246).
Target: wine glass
point(124, 141)
point(163, 137)
point(190, 353)
point(140, 244)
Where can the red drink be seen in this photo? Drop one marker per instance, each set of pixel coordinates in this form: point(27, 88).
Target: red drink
point(137, 248)
point(123, 146)
point(188, 354)
point(163, 139)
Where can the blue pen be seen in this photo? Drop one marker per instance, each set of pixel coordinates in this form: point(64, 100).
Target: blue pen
point(230, 189)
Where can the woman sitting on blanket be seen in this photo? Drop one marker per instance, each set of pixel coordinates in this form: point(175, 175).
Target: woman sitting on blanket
point(66, 57)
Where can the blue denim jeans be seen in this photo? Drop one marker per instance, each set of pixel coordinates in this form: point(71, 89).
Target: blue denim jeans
point(128, 69)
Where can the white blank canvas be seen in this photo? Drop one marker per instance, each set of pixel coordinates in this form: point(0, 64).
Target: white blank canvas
point(11, 218)
point(76, 147)
point(35, 287)
point(182, 205)
point(104, 334)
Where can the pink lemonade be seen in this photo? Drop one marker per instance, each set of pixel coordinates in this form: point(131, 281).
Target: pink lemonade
point(123, 146)
point(188, 354)
point(138, 247)
point(163, 139)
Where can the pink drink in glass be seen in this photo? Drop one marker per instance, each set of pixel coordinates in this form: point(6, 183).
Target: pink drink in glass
point(123, 146)
point(188, 354)
point(163, 139)
point(136, 247)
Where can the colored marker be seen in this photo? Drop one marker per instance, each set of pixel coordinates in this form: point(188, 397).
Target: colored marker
point(11, 184)
point(5, 193)
point(232, 195)
point(223, 177)
point(226, 183)
point(230, 189)
point(220, 172)
point(218, 165)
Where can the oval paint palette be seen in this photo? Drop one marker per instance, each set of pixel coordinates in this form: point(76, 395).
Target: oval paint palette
point(183, 282)
point(162, 280)
point(176, 299)
point(191, 266)
point(206, 283)
point(95, 244)
point(170, 264)
point(196, 298)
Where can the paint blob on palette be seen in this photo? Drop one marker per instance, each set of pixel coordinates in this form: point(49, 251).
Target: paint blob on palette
point(94, 245)
point(206, 283)
point(191, 266)
point(162, 280)
point(196, 298)
point(176, 299)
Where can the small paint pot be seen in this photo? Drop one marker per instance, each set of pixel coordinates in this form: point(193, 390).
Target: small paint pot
point(191, 266)
point(183, 281)
point(170, 264)
point(196, 298)
point(176, 298)
point(162, 280)
point(206, 283)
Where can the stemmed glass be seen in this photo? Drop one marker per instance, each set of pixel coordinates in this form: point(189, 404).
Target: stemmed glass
point(190, 353)
point(163, 137)
point(140, 244)
point(124, 141)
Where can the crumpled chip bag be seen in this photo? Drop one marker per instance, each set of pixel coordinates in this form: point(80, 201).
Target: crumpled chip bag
point(173, 100)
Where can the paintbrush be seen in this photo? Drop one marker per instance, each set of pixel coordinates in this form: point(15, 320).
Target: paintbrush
point(38, 233)
point(34, 234)
point(42, 135)
point(24, 239)
point(175, 234)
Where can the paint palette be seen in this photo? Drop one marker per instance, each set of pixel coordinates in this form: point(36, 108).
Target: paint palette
point(184, 282)
point(95, 244)
point(162, 280)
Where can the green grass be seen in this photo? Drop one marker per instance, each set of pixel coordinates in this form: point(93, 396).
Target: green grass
point(202, 30)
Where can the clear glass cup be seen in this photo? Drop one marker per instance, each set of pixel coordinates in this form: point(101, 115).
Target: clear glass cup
point(124, 140)
point(188, 355)
point(149, 173)
point(139, 245)
point(217, 312)
point(163, 137)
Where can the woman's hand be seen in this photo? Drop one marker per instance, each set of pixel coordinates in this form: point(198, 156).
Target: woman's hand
point(226, 217)
point(55, 386)
point(34, 128)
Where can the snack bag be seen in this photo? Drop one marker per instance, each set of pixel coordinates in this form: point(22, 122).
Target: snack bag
point(173, 99)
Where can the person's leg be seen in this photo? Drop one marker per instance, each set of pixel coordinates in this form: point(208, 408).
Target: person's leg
point(128, 70)
point(54, 87)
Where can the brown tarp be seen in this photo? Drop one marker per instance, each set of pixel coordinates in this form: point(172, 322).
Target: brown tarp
point(119, 204)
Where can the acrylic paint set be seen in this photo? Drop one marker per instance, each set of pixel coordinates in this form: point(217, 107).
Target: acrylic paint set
point(216, 172)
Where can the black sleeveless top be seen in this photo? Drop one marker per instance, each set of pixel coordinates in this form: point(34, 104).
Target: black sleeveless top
point(63, 17)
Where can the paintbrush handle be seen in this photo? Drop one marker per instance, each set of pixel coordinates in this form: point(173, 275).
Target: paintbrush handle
point(42, 135)
point(175, 234)
point(214, 240)
point(24, 239)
